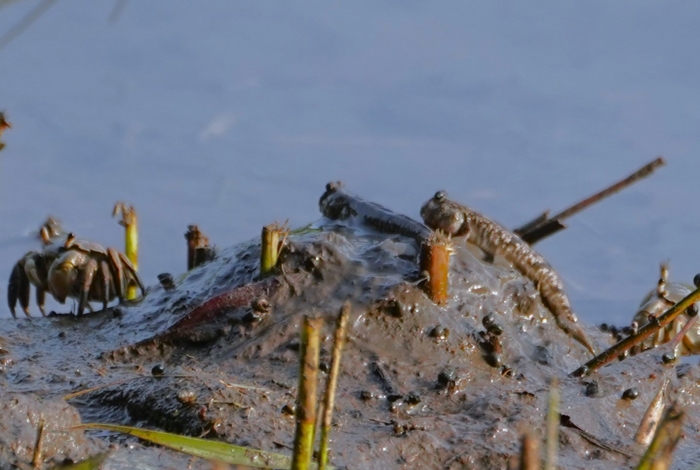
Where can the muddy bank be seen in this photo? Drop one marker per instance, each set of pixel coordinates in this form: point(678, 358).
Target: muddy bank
point(421, 386)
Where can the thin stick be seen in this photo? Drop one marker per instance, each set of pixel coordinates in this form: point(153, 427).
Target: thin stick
point(435, 261)
point(306, 395)
point(36, 459)
point(129, 221)
point(526, 230)
point(533, 224)
point(331, 384)
point(678, 340)
point(649, 329)
point(552, 444)
point(542, 231)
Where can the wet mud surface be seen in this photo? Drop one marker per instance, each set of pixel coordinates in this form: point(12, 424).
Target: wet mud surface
point(421, 386)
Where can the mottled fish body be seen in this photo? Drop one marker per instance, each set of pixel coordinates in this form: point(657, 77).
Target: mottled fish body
point(441, 213)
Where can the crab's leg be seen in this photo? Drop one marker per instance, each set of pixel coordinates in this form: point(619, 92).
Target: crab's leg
point(86, 277)
point(129, 267)
point(41, 299)
point(18, 288)
point(118, 273)
point(14, 286)
point(106, 278)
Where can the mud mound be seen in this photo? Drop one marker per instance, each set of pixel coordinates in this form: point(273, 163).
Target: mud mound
point(421, 386)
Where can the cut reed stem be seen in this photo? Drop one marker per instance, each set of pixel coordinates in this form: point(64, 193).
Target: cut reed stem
point(36, 458)
point(129, 221)
point(272, 239)
point(198, 249)
point(307, 393)
point(552, 444)
point(331, 384)
point(530, 452)
point(435, 264)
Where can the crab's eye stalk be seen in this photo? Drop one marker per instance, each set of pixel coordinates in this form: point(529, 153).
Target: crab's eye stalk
point(440, 195)
point(44, 235)
point(696, 280)
point(70, 238)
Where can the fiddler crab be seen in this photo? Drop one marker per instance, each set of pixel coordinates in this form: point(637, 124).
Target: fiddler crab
point(70, 267)
point(659, 301)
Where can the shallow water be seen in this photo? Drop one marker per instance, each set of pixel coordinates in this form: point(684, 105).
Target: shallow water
point(236, 115)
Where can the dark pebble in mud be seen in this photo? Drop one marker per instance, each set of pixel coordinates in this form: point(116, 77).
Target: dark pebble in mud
point(630, 394)
point(158, 370)
point(447, 378)
point(413, 398)
point(366, 395)
point(261, 305)
point(439, 332)
point(166, 280)
point(187, 397)
point(493, 359)
point(592, 389)
point(668, 358)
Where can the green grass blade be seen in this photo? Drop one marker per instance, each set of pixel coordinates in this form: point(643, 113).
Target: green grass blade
point(93, 463)
point(211, 450)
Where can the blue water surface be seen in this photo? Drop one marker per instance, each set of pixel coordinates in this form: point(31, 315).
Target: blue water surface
point(232, 115)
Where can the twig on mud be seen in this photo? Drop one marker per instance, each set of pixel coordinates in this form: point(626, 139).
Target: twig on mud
point(84, 391)
point(245, 387)
point(331, 384)
point(652, 417)
point(543, 226)
point(70, 396)
point(307, 393)
point(649, 329)
point(552, 443)
point(36, 459)
point(659, 454)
